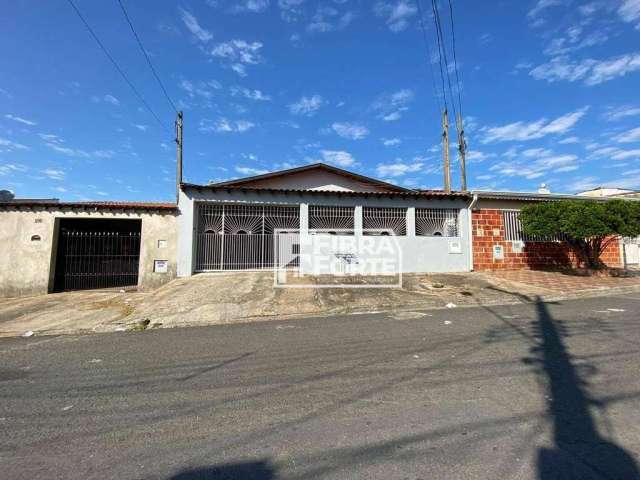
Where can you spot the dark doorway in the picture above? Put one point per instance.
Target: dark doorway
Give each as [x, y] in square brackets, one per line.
[97, 253]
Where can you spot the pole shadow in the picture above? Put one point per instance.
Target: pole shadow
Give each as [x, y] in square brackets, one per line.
[257, 470]
[580, 452]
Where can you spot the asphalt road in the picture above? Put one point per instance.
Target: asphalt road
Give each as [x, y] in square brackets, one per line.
[523, 392]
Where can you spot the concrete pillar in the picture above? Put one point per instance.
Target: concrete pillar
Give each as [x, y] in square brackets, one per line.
[186, 235]
[357, 221]
[305, 239]
[411, 222]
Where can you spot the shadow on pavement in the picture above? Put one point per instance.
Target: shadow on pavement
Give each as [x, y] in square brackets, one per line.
[580, 451]
[258, 470]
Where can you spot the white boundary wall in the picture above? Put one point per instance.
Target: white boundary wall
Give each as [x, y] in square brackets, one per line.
[420, 254]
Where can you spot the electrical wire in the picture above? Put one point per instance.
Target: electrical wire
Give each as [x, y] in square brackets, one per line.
[443, 54]
[146, 55]
[455, 58]
[117, 67]
[429, 53]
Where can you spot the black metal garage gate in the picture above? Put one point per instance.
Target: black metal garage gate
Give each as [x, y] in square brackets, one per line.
[96, 254]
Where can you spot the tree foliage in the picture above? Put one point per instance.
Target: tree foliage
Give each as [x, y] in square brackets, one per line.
[587, 226]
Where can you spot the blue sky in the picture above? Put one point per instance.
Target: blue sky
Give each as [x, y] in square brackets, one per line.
[550, 93]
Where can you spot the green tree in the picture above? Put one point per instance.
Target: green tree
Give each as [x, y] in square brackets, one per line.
[587, 226]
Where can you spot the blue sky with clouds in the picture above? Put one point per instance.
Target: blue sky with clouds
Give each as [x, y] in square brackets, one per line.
[549, 93]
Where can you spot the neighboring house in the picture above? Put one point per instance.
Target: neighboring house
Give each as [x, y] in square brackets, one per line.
[610, 192]
[498, 241]
[50, 246]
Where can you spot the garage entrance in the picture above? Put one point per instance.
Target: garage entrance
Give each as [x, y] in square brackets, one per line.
[96, 253]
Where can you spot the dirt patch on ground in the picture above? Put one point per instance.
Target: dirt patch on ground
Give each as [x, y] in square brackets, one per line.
[69, 312]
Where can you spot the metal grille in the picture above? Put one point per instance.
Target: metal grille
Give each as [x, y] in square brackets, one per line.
[513, 229]
[334, 220]
[437, 222]
[91, 260]
[379, 221]
[242, 237]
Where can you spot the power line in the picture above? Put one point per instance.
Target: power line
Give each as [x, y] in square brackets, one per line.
[455, 58]
[117, 67]
[443, 49]
[144, 52]
[428, 52]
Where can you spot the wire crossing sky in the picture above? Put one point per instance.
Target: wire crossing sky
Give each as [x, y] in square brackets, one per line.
[548, 90]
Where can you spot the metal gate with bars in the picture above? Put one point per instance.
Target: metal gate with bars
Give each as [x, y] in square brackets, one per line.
[242, 237]
[90, 260]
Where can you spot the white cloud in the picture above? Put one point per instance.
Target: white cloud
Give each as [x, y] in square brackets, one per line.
[53, 174]
[351, 131]
[573, 42]
[290, 10]
[521, 131]
[238, 54]
[338, 157]
[8, 168]
[256, 95]
[532, 169]
[192, 24]
[569, 140]
[8, 145]
[391, 142]
[629, 137]
[398, 168]
[224, 125]
[535, 14]
[250, 171]
[142, 128]
[390, 107]
[398, 13]
[629, 11]
[24, 121]
[592, 72]
[106, 99]
[615, 114]
[329, 19]
[205, 90]
[307, 106]
[252, 6]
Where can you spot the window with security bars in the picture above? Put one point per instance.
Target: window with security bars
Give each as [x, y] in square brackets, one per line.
[332, 220]
[247, 219]
[384, 221]
[513, 229]
[437, 222]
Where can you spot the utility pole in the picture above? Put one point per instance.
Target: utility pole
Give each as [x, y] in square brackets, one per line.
[178, 154]
[445, 151]
[462, 148]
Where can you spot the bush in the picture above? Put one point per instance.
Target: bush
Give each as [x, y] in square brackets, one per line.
[588, 227]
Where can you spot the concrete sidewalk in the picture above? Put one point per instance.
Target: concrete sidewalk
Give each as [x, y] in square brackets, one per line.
[250, 296]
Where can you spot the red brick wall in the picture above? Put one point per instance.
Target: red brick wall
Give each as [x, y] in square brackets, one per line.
[488, 230]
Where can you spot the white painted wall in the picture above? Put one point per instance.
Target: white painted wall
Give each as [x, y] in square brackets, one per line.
[419, 254]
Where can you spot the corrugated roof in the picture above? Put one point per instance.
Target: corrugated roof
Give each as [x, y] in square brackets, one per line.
[405, 193]
[106, 205]
[534, 196]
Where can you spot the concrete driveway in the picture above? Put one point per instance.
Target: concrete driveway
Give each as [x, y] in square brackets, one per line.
[535, 391]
